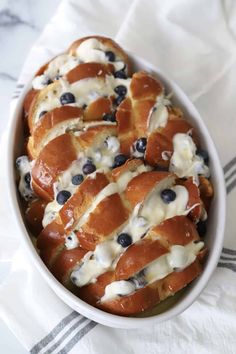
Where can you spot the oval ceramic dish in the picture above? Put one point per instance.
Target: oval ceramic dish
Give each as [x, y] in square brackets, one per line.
[213, 239]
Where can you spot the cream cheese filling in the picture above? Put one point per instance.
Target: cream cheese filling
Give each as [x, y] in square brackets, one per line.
[152, 212]
[102, 156]
[158, 115]
[184, 161]
[91, 50]
[179, 258]
[85, 91]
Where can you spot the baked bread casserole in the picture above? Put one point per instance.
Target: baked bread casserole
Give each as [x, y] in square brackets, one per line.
[114, 181]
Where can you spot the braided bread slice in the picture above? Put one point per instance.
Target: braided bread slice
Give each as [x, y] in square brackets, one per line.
[148, 269]
[106, 226]
[146, 113]
[54, 163]
[121, 181]
[83, 199]
[88, 49]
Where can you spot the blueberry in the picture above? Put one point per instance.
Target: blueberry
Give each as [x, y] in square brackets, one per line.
[141, 145]
[27, 178]
[120, 74]
[119, 160]
[18, 162]
[121, 90]
[57, 77]
[110, 117]
[118, 100]
[110, 56]
[139, 280]
[63, 196]
[204, 154]
[168, 196]
[42, 113]
[67, 98]
[48, 81]
[89, 168]
[77, 179]
[124, 240]
[202, 228]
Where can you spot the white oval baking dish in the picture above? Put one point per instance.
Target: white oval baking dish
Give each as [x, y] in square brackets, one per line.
[213, 239]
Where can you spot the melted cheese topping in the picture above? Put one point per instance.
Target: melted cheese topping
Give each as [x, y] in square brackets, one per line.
[110, 189]
[179, 258]
[59, 66]
[184, 161]
[85, 91]
[102, 157]
[91, 50]
[24, 166]
[155, 210]
[71, 241]
[158, 115]
[152, 212]
[50, 212]
[118, 288]
[75, 124]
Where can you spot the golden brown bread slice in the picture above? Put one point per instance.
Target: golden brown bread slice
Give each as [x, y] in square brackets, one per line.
[107, 45]
[58, 155]
[52, 124]
[79, 91]
[62, 64]
[34, 215]
[104, 219]
[50, 97]
[175, 231]
[146, 113]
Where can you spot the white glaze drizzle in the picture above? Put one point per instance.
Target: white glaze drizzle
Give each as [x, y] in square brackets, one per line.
[90, 50]
[179, 258]
[152, 212]
[184, 161]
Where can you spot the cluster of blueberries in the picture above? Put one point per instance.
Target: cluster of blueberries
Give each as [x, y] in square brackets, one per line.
[118, 74]
[87, 169]
[68, 97]
[167, 195]
[121, 92]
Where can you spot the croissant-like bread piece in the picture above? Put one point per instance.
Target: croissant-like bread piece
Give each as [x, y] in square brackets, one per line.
[116, 183]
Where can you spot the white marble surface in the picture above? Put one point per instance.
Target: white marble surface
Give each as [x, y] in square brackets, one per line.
[21, 22]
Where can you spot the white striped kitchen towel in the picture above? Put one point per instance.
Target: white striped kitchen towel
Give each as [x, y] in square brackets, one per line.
[193, 41]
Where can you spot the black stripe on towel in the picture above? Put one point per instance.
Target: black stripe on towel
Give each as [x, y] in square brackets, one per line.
[230, 176]
[15, 96]
[65, 335]
[228, 258]
[77, 337]
[230, 266]
[229, 251]
[231, 186]
[55, 331]
[229, 165]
